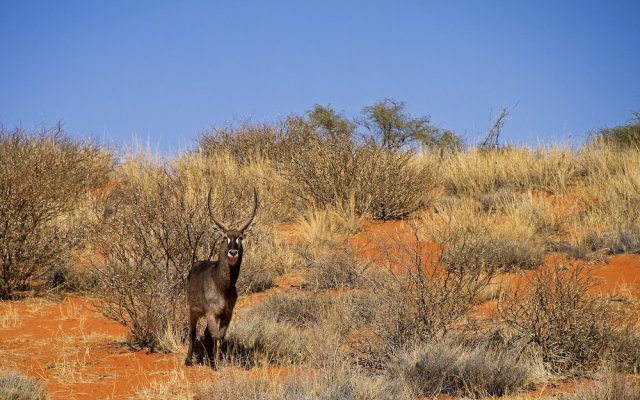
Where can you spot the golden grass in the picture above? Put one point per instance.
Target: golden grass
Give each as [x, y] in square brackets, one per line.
[171, 385]
[476, 172]
[9, 317]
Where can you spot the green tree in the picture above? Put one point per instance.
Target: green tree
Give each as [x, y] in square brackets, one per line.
[330, 123]
[627, 135]
[388, 120]
[447, 142]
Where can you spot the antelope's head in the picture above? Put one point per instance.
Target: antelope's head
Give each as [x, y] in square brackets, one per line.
[231, 247]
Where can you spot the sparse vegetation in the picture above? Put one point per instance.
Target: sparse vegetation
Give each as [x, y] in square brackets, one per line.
[346, 312]
[612, 386]
[14, 386]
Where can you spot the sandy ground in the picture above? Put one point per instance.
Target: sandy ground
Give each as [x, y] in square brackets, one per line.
[79, 354]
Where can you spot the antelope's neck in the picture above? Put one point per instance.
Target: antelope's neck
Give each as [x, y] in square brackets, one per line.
[228, 273]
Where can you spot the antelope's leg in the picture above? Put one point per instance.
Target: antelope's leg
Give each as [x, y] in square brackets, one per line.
[213, 326]
[222, 331]
[193, 323]
[208, 343]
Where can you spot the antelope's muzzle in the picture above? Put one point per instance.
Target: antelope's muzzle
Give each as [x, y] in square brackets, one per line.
[232, 253]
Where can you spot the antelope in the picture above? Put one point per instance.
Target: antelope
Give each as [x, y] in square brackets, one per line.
[211, 287]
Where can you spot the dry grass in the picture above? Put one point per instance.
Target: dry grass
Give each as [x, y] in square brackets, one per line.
[173, 385]
[233, 386]
[477, 172]
[612, 386]
[14, 386]
[472, 239]
[299, 311]
[612, 193]
[9, 317]
[338, 382]
[454, 369]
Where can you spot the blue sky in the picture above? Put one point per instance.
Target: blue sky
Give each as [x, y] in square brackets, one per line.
[160, 72]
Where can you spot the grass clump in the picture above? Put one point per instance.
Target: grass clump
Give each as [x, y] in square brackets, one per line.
[337, 382]
[322, 248]
[612, 386]
[299, 311]
[335, 267]
[259, 338]
[446, 367]
[237, 387]
[342, 382]
[14, 386]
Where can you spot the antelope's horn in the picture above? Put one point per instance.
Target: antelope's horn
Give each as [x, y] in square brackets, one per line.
[221, 226]
[253, 213]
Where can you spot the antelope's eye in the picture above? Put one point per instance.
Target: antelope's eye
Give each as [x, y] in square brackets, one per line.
[228, 240]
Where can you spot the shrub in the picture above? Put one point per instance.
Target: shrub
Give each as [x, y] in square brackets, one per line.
[365, 178]
[14, 386]
[152, 237]
[454, 369]
[159, 225]
[622, 136]
[246, 142]
[44, 179]
[71, 279]
[553, 310]
[422, 300]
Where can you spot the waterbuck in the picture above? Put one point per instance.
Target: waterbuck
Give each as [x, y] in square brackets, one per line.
[211, 287]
